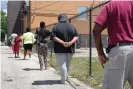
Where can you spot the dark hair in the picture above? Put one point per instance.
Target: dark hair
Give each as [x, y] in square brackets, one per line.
[42, 24]
[63, 17]
[19, 34]
[28, 30]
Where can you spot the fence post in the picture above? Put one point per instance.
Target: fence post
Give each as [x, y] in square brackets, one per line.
[51, 48]
[69, 20]
[86, 44]
[90, 36]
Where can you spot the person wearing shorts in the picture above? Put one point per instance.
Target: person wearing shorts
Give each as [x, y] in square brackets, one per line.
[28, 41]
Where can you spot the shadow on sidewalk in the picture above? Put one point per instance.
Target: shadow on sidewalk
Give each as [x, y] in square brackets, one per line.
[20, 59]
[29, 69]
[46, 82]
[11, 57]
[9, 53]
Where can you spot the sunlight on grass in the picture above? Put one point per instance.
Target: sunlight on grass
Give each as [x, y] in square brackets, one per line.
[80, 69]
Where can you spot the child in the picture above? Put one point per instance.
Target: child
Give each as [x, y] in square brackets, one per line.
[17, 45]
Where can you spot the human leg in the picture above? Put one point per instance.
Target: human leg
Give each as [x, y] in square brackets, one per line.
[130, 79]
[130, 63]
[68, 62]
[30, 50]
[61, 62]
[18, 54]
[25, 52]
[40, 57]
[116, 70]
[15, 54]
[45, 49]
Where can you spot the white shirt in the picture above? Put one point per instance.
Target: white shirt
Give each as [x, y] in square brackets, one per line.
[12, 37]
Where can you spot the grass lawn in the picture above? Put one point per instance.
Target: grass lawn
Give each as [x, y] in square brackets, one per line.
[80, 69]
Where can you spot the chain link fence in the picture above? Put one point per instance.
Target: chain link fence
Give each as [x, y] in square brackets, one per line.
[85, 64]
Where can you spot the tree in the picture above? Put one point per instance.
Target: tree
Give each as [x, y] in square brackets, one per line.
[3, 24]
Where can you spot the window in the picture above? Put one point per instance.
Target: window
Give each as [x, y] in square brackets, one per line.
[81, 10]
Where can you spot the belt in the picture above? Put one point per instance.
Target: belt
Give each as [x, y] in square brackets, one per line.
[118, 44]
[122, 44]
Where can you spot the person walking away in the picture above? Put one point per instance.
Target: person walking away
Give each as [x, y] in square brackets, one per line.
[41, 35]
[17, 45]
[64, 35]
[28, 41]
[117, 17]
[11, 39]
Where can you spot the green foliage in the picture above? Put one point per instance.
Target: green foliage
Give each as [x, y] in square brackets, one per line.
[3, 22]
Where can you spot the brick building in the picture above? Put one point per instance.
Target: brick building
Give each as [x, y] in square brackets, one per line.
[48, 11]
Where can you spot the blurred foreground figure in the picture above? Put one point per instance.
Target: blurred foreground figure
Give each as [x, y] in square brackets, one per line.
[117, 17]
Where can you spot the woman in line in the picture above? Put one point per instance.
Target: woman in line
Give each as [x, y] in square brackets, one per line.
[28, 41]
[11, 39]
[17, 45]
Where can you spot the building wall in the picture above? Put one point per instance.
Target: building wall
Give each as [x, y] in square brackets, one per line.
[15, 23]
[84, 40]
[48, 11]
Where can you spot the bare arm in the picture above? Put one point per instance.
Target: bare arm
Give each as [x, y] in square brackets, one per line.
[74, 39]
[66, 44]
[58, 40]
[97, 37]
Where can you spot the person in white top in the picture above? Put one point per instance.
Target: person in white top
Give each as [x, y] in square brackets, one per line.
[11, 39]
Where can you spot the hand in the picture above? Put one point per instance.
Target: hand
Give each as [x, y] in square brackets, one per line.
[103, 59]
[69, 44]
[65, 44]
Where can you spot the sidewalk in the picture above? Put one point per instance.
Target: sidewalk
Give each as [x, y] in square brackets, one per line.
[47, 79]
[73, 82]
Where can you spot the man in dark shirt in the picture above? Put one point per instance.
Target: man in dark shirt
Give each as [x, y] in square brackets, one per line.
[41, 36]
[64, 35]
